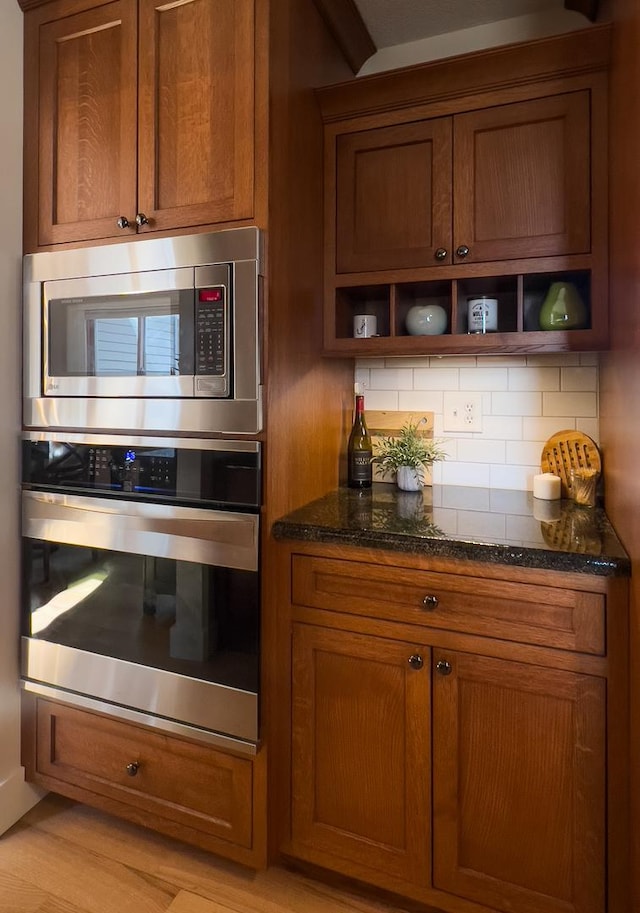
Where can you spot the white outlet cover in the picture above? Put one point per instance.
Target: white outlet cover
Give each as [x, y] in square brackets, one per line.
[462, 412]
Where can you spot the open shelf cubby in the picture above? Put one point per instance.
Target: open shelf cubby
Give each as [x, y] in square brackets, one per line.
[519, 296]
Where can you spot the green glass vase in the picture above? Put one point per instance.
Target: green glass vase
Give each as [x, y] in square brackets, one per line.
[563, 308]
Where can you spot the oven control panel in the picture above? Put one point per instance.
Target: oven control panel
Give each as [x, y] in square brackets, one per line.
[206, 477]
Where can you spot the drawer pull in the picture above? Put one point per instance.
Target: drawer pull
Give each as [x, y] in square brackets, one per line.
[443, 667]
[133, 768]
[430, 602]
[416, 661]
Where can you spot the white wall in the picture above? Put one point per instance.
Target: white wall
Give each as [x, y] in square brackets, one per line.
[15, 796]
[525, 400]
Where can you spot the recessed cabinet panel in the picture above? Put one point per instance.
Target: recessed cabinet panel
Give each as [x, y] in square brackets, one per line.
[521, 179]
[87, 123]
[360, 737]
[393, 196]
[519, 785]
[196, 111]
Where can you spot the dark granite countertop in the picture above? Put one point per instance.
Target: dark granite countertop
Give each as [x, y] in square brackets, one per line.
[475, 524]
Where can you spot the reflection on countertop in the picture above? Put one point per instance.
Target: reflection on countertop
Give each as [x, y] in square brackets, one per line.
[476, 524]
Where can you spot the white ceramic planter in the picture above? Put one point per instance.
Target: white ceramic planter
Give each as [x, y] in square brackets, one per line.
[408, 479]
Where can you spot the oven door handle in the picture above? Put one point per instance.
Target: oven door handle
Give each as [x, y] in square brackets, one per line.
[215, 537]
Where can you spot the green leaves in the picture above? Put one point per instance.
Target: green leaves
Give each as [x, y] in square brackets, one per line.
[408, 448]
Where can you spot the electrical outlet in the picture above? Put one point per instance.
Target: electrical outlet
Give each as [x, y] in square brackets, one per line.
[462, 412]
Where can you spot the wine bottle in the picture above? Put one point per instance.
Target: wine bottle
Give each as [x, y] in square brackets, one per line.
[359, 450]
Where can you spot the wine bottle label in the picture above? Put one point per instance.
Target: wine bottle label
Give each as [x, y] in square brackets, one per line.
[361, 465]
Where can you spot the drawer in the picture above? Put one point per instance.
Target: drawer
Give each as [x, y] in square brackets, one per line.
[523, 612]
[192, 784]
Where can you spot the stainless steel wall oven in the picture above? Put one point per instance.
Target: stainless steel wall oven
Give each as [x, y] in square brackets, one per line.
[141, 579]
[154, 336]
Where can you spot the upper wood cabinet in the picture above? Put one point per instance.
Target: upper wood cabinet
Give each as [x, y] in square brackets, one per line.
[521, 180]
[393, 199]
[139, 117]
[513, 182]
[482, 175]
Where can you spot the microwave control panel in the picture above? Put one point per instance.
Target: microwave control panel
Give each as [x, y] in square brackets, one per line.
[212, 340]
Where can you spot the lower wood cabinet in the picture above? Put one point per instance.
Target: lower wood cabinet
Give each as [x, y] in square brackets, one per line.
[467, 771]
[184, 788]
[518, 784]
[360, 737]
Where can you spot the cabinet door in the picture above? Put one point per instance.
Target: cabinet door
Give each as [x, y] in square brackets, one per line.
[519, 785]
[394, 197]
[87, 124]
[361, 755]
[521, 179]
[196, 112]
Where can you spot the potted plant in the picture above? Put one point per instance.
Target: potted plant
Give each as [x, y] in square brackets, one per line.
[407, 455]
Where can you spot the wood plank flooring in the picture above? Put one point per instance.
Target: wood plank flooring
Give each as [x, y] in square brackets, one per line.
[63, 857]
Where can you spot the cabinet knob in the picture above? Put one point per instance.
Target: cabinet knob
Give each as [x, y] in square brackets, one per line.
[443, 667]
[141, 219]
[462, 251]
[122, 222]
[132, 768]
[430, 602]
[416, 661]
[441, 253]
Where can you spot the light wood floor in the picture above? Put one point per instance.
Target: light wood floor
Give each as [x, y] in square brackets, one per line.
[68, 858]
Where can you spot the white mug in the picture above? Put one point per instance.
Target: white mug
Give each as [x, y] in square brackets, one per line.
[483, 314]
[364, 326]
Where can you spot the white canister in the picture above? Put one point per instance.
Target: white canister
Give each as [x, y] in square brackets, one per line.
[364, 326]
[483, 315]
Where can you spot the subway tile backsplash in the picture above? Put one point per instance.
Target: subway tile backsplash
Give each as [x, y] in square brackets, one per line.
[525, 399]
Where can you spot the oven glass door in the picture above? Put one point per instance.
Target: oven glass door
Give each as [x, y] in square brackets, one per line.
[128, 602]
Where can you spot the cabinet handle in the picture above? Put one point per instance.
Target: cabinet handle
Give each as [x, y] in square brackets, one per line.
[430, 602]
[122, 222]
[441, 253]
[462, 251]
[132, 768]
[141, 219]
[416, 661]
[443, 667]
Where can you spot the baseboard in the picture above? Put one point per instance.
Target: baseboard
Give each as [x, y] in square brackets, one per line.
[16, 798]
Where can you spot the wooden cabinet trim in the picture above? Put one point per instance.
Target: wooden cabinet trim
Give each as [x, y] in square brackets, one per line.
[560, 57]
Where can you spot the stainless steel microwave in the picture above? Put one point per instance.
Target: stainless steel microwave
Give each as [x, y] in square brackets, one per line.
[157, 336]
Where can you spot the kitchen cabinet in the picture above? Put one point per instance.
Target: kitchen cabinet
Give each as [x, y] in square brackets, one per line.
[147, 776]
[185, 101]
[359, 744]
[451, 728]
[437, 192]
[518, 784]
[139, 118]
[501, 183]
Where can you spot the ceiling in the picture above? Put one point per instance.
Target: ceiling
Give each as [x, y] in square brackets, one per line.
[394, 22]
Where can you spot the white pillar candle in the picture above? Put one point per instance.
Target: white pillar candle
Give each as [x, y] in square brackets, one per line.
[546, 486]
